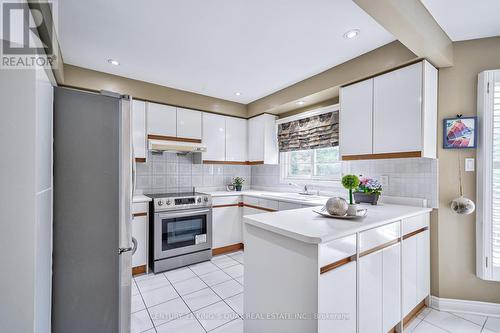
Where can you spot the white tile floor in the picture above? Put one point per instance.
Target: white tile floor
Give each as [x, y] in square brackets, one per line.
[208, 297]
[205, 297]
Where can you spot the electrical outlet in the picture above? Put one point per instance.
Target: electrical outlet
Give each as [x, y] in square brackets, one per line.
[469, 164]
[384, 181]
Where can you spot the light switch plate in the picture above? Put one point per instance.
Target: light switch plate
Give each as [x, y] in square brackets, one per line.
[384, 180]
[469, 164]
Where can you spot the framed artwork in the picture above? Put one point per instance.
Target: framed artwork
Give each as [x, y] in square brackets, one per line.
[459, 133]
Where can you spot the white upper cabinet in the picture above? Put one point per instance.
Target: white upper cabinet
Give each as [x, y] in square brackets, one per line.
[356, 112]
[162, 120]
[394, 113]
[214, 137]
[263, 139]
[236, 139]
[397, 110]
[188, 124]
[139, 129]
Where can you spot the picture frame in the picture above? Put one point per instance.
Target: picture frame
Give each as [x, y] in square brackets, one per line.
[460, 132]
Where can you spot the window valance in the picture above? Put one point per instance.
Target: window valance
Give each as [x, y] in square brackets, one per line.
[321, 131]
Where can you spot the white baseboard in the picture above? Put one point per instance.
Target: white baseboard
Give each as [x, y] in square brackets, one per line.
[463, 306]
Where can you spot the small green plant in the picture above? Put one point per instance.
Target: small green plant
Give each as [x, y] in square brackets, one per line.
[350, 182]
[238, 181]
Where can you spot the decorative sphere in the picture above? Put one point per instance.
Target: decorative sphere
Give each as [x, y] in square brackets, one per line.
[336, 206]
[463, 206]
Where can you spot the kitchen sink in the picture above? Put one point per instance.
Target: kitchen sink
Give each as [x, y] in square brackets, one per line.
[297, 196]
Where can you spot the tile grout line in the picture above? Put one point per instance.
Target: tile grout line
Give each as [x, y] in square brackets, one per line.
[469, 320]
[146, 308]
[223, 300]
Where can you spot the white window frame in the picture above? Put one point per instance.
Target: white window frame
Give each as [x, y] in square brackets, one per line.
[287, 175]
[484, 210]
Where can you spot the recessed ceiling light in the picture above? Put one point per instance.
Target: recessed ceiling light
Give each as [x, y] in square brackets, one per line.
[301, 103]
[113, 62]
[237, 93]
[351, 33]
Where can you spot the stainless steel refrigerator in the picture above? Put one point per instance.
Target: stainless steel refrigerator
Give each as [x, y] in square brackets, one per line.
[92, 251]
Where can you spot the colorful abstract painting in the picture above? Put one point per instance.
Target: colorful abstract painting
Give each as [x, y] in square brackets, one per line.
[459, 132]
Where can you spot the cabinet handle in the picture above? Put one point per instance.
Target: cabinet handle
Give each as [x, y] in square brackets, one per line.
[336, 264]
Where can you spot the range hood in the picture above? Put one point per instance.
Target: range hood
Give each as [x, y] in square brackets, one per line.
[176, 146]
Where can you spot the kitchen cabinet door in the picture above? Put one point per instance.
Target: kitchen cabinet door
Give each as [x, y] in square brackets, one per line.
[409, 274]
[337, 294]
[236, 139]
[188, 124]
[397, 110]
[356, 112]
[263, 139]
[255, 139]
[227, 226]
[282, 205]
[162, 120]
[370, 293]
[214, 137]
[139, 229]
[423, 265]
[391, 287]
[139, 129]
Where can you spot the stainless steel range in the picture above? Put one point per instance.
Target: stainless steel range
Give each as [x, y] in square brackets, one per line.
[180, 230]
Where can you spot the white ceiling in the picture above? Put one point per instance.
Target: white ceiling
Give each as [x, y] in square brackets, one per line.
[466, 19]
[216, 47]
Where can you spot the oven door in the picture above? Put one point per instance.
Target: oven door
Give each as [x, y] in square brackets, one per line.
[181, 232]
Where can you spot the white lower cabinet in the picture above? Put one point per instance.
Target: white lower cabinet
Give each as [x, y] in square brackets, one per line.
[391, 286]
[423, 265]
[337, 296]
[370, 293]
[226, 228]
[139, 232]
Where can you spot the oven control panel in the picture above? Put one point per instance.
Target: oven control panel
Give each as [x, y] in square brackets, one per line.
[169, 203]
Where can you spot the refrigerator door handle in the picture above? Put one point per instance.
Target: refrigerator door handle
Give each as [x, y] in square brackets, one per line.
[125, 249]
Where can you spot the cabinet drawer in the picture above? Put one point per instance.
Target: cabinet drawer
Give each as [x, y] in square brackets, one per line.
[415, 223]
[373, 238]
[219, 201]
[140, 207]
[288, 205]
[269, 204]
[336, 250]
[251, 200]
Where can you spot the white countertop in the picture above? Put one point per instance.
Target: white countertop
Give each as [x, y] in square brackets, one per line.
[140, 198]
[307, 226]
[269, 195]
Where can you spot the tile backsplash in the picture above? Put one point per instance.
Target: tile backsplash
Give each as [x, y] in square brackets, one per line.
[173, 172]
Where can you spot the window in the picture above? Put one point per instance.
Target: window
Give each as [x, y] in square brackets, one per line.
[314, 164]
[488, 177]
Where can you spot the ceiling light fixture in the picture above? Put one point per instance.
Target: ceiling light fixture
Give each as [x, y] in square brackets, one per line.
[113, 62]
[351, 33]
[301, 103]
[237, 93]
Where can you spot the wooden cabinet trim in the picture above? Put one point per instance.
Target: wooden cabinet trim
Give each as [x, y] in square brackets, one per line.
[413, 313]
[416, 232]
[227, 205]
[172, 138]
[138, 270]
[336, 264]
[233, 162]
[380, 247]
[261, 208]
[407, 154]
[227, 249]
[140, 214]
[140, 159]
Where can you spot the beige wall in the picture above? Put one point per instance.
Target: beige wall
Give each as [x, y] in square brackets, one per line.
[456, 234]
[93, 80]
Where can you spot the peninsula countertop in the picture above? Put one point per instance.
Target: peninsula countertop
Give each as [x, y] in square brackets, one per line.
[309, 227]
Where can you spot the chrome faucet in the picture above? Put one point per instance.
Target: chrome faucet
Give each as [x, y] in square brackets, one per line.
[304, 192]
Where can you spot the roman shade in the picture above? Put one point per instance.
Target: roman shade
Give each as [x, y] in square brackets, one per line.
[320, 131]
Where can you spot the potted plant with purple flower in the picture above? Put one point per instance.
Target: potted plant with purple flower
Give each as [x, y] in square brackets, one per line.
[368, 191]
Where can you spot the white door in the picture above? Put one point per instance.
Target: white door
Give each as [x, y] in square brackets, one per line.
[139, 128]
[255, 139]
[397, 110]
[162, 120]
[391, 287]
[188, 124]
[337, 295]
[227, 226]
[370, 293]
[214, 137]
[236, 139]
[409, 274]
[356, 112]
[423, 265]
